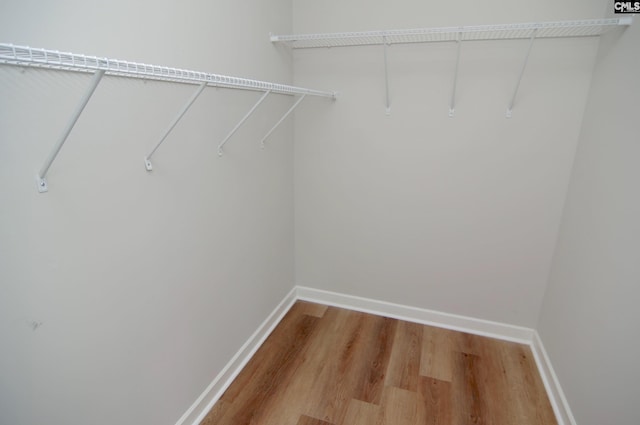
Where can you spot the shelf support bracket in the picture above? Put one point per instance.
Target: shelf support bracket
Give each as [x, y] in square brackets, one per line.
[386, 76]
[294, 106]
[41, 177]
[246, 117]
[455, 77]
[524, 66]
[185, 108]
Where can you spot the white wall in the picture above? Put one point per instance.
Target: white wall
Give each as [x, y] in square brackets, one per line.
[453, 214]
[589, 318]
[145, 284]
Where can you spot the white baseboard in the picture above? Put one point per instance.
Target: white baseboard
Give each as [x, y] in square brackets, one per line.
[419, 315]
[214, 391]
[557, 398]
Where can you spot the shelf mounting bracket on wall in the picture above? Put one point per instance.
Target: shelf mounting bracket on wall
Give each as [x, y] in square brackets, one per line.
[294, 106]
[147, 159]
[524, 66]
[246, 117]
[41, 177]
[386, 76]
[455, 77]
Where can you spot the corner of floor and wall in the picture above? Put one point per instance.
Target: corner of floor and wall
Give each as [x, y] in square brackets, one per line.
[133, 297]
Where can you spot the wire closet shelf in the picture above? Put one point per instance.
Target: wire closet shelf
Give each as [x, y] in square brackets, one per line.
[52, 59]
[557, 29]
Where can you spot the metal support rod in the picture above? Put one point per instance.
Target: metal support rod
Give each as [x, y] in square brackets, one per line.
[42, 183]
[246, 117]
[524, 66]
[386, 77]
[455, 78]
[185, 108]
[282, 119]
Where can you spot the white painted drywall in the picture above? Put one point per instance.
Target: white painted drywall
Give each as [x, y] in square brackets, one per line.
[590, 315]
[452, 214]
[144, 285]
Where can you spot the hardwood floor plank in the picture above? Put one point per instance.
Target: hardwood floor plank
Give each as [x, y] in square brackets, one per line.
[214, 415]
[312, 309]
[404, 365]
[318, 374]
[438, 351]
[374, 360]
[466, 388]
[286, 339]
[307, 420]
[437, 359]
[321, 388]
[339, 371]
[436, 402]
[269, 370]
[400, 407]
[362, 413]
[531, 405]
[493, 376]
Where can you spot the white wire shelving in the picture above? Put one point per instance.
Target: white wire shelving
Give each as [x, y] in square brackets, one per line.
[557, 29]
[52, 59]
[460, 34]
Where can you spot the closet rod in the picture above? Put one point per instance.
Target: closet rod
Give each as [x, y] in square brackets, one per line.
[556, 29]
[53, 59]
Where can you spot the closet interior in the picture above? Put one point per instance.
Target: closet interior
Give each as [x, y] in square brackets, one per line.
[180, 215]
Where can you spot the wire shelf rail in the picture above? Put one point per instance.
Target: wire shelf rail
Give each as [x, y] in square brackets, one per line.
[557, 29]
[53, 59]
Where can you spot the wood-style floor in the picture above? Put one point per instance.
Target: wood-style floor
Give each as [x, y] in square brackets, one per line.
[329, 366]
